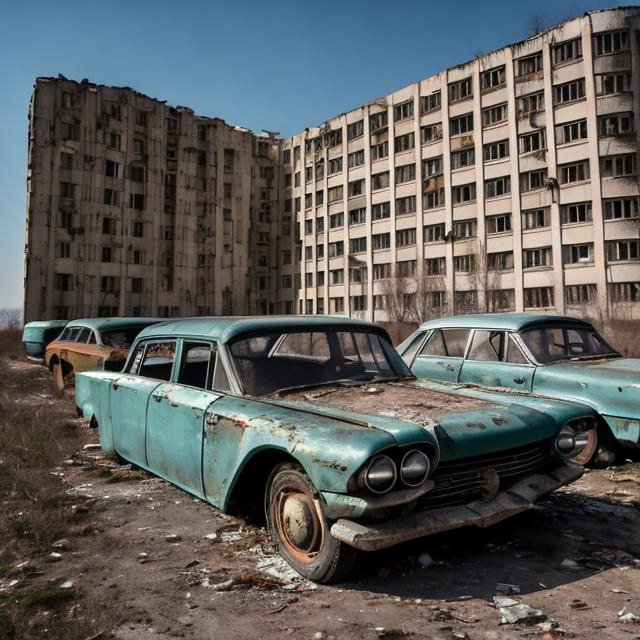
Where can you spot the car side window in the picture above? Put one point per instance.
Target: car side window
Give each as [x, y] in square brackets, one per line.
[92, 338]
[64, 336]
[197, 364]
[514, 353]
[134, 366]
[447, 342]
[220, 378]
[158, 359]
[83, 335]
[412, 349]
[487, 346]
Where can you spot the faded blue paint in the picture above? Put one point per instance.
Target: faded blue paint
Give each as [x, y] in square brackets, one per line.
[203, 440]
[36, 335]
[609, 386]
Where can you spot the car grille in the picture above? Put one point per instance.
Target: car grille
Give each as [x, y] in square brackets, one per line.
[460, 482]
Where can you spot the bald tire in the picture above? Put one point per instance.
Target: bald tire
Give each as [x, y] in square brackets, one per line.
[334, 558]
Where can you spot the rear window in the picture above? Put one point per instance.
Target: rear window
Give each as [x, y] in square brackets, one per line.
[120, 338]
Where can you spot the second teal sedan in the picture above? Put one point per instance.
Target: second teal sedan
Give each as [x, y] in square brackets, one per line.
[542, 355]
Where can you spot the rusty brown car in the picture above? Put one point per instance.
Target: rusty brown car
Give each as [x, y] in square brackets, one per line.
[92, 343]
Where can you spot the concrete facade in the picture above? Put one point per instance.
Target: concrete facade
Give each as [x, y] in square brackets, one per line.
[506, 183]
[137, 208]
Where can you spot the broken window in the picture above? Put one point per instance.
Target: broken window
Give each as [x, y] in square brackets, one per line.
[574, 172]
[403, 111]
[535, 218]
[493, 78]
[431, 133]
[460, 90]
[616, 124]
[569, 91]
[566, 51]
[404, 142]
[380, 180]
[494, 115]
[463, 158]
[534, 141]
[463, 193]
[497, 187]
[405, 173]
[112, 169]
[141, 118]
[136, 201]
[461, 124]
[496, 150]
[610, 42]
[618, 166]
[532, 180]
[430, 102]
[528, 65]
[380, 241]
[405, 205]
[355, 130]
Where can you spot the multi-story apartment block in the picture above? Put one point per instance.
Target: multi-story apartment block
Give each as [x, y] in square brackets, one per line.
[506, 183]
[137, 208]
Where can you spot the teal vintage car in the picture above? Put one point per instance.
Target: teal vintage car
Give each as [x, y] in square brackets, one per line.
[321, 419]
[544, 355]
[37, 335]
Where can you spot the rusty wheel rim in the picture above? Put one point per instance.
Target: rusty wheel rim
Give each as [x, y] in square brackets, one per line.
[299, 525]
[587, 453]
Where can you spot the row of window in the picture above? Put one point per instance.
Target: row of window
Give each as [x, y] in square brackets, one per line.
[571, 213]
[498, 299]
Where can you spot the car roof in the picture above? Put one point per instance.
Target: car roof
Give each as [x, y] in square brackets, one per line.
[45, 324]
[106, 324]
[507, 321]
[224, 329]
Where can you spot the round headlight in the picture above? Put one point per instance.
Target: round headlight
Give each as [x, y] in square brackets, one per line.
[414, 468]
[381, 474]
[566, 441]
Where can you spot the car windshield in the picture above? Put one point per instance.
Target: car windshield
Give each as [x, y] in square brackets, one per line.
[565, 342]
[270, 362]
[120, 338]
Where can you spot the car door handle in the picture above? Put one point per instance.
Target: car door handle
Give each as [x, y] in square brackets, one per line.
[157, 396]
[519, 380]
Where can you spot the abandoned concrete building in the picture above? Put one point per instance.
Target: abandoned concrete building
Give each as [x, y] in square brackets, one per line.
[506, 183]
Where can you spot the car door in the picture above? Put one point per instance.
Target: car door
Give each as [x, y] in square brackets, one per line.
[494, 359]
[84, 354]
[130, 394]
[441, 356]
[176, 414]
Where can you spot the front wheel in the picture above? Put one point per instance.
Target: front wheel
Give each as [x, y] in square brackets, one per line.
[300, 528]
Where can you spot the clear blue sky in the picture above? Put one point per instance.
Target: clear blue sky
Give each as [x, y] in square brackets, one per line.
[281, 65]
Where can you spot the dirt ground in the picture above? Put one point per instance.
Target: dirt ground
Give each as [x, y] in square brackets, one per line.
[141, 559]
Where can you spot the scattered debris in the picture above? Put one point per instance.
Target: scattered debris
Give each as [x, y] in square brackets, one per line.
[625, 617]
[572, 565]
[277, 567]
[92, 446]
[211, 536]
[67, 584]
[173, 537]
[143, 557]
[512, 611]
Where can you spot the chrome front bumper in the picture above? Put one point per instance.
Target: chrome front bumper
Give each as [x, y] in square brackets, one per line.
[517, 498]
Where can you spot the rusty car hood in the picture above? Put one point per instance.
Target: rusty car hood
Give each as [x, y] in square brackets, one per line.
[463, 426]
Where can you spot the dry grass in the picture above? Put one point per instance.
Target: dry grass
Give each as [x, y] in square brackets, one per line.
[34, 508]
